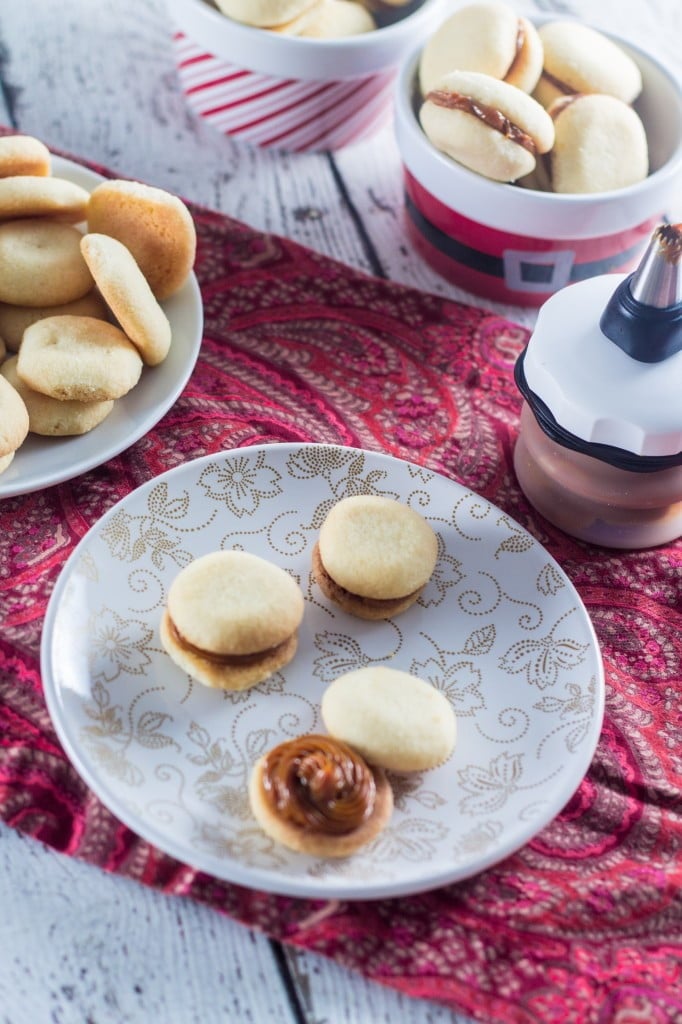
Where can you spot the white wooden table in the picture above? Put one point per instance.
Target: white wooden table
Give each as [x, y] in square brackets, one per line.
[99, 80]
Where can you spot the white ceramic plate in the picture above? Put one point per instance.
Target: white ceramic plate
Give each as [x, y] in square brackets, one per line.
[499, 629]
[43, 461]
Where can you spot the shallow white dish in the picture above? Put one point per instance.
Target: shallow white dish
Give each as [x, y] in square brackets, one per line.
[44, 461]
[499, 629]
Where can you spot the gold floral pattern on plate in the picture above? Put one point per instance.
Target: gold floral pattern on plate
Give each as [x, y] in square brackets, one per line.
[499, 630]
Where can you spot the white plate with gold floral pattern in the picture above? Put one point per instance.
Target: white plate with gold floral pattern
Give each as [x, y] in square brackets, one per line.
[43, 461]
[499, 630]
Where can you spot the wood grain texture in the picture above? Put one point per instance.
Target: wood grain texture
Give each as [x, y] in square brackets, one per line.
[79, 945]
[99, 80]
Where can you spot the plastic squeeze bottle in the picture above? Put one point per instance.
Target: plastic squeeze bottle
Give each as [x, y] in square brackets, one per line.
[599, 451]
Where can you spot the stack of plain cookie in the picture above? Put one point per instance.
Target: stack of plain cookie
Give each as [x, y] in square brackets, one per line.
[82, 277]
[550, 108]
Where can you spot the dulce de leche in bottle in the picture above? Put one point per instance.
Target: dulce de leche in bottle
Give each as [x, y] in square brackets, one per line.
[599, 451]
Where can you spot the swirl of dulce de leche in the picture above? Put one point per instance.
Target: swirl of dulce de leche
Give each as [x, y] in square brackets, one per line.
[319, 783]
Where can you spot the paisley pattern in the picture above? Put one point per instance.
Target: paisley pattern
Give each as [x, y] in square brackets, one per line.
[583, 924]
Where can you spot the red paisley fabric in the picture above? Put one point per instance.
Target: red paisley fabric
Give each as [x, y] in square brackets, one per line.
[584, 924]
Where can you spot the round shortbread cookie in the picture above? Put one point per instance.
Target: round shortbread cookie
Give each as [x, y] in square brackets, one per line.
[487, 37]
[316, 764]
[487, 125]
[13, 419]
[78, 358]
[600, 145]
[336, 19]
[154, 224]
[580, 59]
[374, 555]
[37, 196]
[50, 417]
[296, 26]
[232, 619]
[22, 154]
[15, 319]
[41, 263]
[264, 13]
[394, 719]
[127, 294]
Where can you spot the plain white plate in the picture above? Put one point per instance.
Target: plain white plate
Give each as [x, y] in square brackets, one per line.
[499, 629]
[43, 461]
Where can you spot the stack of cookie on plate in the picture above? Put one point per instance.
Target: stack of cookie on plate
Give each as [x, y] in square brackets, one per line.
[547, 107]
[309, 19]
[82, 278]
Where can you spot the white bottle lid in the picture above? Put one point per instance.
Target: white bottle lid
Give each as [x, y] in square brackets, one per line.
[600, 399]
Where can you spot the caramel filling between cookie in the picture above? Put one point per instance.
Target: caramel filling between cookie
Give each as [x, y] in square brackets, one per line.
[491, 116]
[377, 603]
[562, 87]
[227, 660]
[319, 784]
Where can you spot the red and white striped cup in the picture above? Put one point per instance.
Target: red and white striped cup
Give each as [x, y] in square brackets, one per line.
[270, 89]
[516, 245]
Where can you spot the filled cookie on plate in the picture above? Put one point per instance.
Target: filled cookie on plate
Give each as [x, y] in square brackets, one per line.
[374, 556]
[232, 619]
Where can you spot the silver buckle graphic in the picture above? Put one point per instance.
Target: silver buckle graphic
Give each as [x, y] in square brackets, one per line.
[537, 271]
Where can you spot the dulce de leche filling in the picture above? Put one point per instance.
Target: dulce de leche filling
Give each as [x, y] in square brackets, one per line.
[378, 603]
[222, 659]
[491, 116]
[318, 783]
[560, 86]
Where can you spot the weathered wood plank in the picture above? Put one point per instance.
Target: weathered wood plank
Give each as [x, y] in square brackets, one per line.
[79, 945]
[99, 80]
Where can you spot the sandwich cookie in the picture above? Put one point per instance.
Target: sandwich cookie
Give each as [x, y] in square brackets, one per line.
[264, 13]
[13, 422]
[487, 37]
[22, 154]
[27, 195]
[394, 719]
[600, 144]
[374, 556]
[154, 224]
[487, 125]
[232, 619]
[41, 263]
[128, 295]
[78, 358]
[579, 59]
[50, 417]
[316, 795]
[15, 319]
